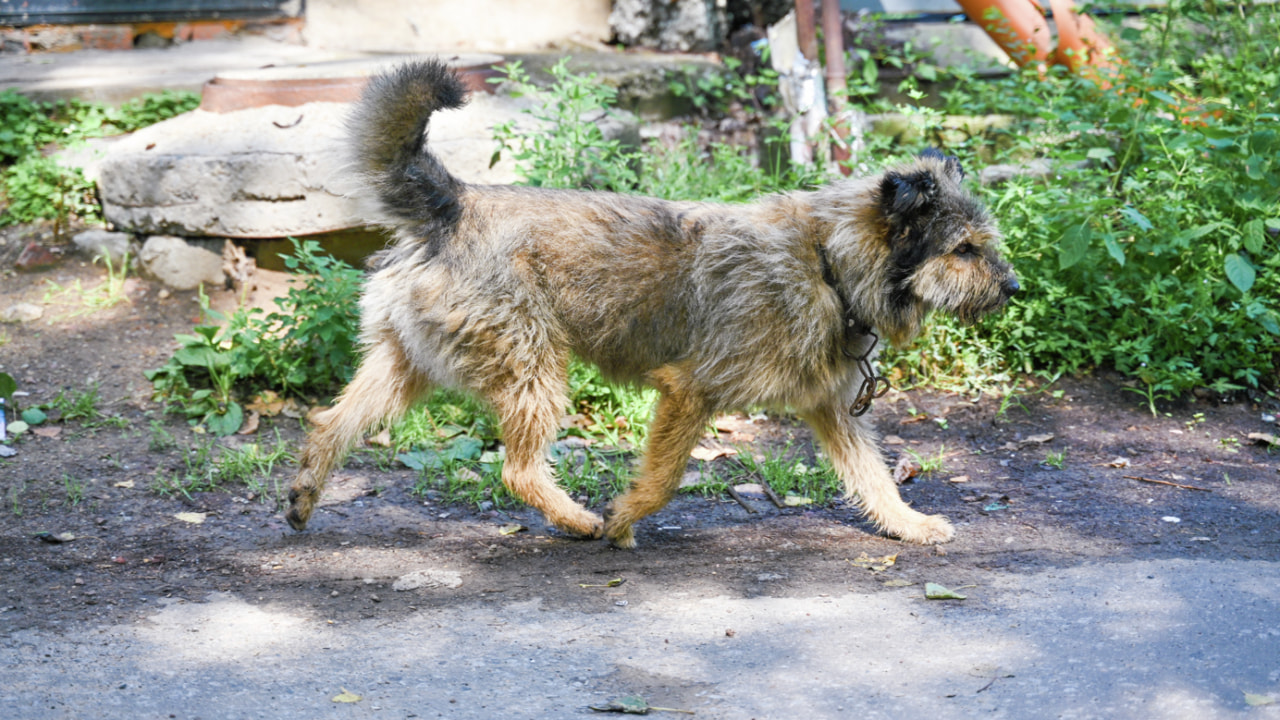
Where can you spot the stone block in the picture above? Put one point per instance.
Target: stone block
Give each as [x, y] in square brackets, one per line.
[178, 265]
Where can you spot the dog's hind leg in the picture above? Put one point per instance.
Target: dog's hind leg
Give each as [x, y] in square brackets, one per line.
[383, 389]
[677, 423]
[529, 406]
[851, 446]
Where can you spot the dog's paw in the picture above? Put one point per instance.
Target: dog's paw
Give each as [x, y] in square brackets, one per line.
[925, 530]
[620, 534]
[622, 538]
[300, 507]
[584, 526]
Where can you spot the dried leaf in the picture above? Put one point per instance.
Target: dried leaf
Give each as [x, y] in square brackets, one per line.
[268, 404]
[1039, 439]
[959, 479]
[382, 439]
[347, 697]
[127, 484]
[796, 501]
[897, 582]
[709, 454]
[875, 564]
[1264, 438]
[905, 470]
[296, 410]
[1253, 700]
[51, 431]
[511, 529]
[194, 518]
[893, 440]
[250, 425]
[934, 591]
[1120, 462]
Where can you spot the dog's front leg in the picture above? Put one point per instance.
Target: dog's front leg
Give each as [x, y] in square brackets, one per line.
[851, 445]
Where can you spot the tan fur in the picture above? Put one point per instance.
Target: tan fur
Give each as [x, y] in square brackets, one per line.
[719, 307]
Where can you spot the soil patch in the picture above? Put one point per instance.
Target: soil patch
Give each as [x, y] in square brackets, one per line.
[1053, 478]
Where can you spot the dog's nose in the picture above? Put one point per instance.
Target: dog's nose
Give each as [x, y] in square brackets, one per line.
[1011, 286]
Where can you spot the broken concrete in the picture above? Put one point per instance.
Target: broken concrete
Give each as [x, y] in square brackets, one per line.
[681, 25]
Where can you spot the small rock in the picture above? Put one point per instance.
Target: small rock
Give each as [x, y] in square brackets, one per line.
[22, 313]
[179, 265]
[113, 246]
[36, 257]
[428, 579]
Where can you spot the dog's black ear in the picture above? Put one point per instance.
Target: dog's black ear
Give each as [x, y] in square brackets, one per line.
[903, 195]
[951, 162]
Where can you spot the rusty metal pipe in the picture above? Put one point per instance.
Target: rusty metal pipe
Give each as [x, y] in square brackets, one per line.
[833, 42]
[806, 30]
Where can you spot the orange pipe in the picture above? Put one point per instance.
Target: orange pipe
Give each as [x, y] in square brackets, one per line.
[1017, 26]
[1081, 47]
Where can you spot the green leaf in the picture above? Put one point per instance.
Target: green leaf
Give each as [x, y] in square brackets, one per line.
[223, 424]
[17, 427]
[1240, 272]
[34, 416]
[1074, 245]
[1268, 323]
[464, 447]
[1115, 249]
[1186, 236]
[1136, 218]
[420, 460]
[8, 386]
[1255, 237]
[200, 356]
[1100, 153]
[934, 591]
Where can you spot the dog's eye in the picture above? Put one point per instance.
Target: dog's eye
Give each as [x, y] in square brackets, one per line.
[964, 249]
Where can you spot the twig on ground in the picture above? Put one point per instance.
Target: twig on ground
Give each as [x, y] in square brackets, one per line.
[738, 498]
[1139, 478]
[773, 496]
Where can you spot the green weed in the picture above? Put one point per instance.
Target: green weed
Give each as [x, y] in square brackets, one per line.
[15, 492]
[785, 471]
[1055, 460]
[307, 346]
[104, 296]
[930, 465]
[74, 488]
[78, 404]
[34, 185]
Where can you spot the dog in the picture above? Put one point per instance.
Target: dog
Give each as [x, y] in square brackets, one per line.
[775, 304]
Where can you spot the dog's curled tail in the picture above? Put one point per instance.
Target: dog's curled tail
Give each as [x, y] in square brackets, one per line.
[388, 135]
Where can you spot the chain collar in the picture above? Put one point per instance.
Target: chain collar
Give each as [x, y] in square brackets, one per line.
[873, 385]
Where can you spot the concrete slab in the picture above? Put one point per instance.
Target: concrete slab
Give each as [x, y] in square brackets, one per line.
[270, 172]
[115, 76]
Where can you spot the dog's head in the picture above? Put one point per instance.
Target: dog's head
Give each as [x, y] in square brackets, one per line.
[944, 249]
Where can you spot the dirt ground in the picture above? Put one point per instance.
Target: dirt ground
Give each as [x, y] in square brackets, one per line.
[1013, 508]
